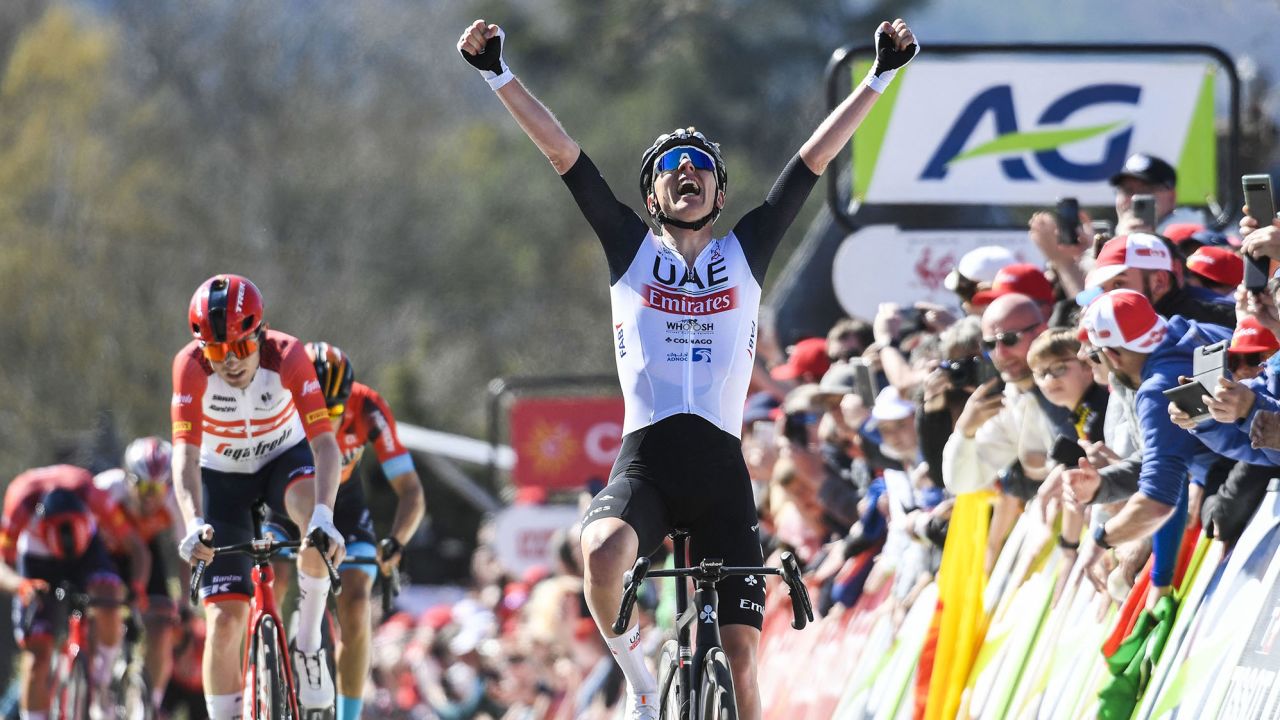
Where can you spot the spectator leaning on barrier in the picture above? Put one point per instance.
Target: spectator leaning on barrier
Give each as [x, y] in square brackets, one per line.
[1144, 263]
[976, 271]
[1226, 512]
[1145, 174]
[1146, 353]
[997, 430]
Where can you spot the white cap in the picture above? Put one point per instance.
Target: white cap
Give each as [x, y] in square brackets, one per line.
[980, 265]
[1143, 251]
[1123, 319]
[892, 406]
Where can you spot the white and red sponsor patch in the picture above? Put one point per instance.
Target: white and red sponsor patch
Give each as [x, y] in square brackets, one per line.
[679, 303]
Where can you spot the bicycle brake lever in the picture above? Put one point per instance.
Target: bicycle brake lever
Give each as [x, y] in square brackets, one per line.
[630, 584]
[320, 541]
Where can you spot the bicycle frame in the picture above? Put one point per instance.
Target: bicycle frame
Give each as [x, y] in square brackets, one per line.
[689, 662]
[76, 642]
[263, 606]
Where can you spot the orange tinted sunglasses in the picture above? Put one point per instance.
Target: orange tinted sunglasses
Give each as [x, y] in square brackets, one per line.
[217, 352]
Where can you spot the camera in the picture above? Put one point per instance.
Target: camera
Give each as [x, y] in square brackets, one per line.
[963, 373]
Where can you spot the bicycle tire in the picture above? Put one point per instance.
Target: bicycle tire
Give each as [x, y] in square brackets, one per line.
[670, 707]
[271, 684]
[134, 698]
[716, 699]
[70, 699]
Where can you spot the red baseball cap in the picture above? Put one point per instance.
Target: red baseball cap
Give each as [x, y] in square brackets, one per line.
[1143, 251]
[1217, 264]
[1181, 232]
[1251, 337]
[1123, 319]
[1023, 278]
[809, 356]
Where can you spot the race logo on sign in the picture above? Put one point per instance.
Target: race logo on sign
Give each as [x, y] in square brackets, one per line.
[933, 271]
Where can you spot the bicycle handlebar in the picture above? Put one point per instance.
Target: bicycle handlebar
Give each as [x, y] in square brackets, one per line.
[712, 570]
[630, 584]
[253, 548]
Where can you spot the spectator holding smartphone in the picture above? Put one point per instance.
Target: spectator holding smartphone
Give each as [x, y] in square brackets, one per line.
[1145, 174]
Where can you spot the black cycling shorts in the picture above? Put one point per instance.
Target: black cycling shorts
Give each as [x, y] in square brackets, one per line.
[158, 582]
[94, 567]
[228, 506]
[684, 472]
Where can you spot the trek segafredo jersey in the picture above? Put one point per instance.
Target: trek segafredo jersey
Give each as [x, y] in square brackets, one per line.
[685, 335]
[246, 429]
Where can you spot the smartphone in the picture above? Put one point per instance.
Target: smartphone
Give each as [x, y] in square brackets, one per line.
[1068, 221]
[1188, 399]
[1258, 196]
[1101, 227]
[1209, 365]
[1067, 451]
[1144, 208]
[764, 433]
[864, 382]
[987, 371]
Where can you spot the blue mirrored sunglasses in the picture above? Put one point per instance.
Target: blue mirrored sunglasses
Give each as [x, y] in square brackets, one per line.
[675, 157]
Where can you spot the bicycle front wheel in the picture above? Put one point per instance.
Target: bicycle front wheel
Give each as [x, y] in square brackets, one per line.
[271, 687]
[716, 698]
[135, 695]
[71, 690]
[670, 695]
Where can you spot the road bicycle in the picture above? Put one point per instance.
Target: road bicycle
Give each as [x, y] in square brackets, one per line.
[695, 683]
[270, 692]
[73, 691]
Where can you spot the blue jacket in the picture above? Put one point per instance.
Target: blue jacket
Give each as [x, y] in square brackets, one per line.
[1169, 453]
[1232, 439]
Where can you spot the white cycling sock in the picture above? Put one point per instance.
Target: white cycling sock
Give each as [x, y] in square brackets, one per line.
[223, 707]
[626, 651]
[313, 592]
[104, 661]
[33, 715]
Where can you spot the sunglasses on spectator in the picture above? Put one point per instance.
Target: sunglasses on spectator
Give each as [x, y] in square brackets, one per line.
[1053, 372]
[1094, 356]
[675, 157]
[217, 352]
[1008, 339]
[1236, 361]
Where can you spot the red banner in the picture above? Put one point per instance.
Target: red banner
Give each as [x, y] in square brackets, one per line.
[561, 443]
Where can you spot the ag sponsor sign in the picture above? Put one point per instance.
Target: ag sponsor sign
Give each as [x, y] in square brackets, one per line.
[561, 443]
[1031, 128]
[909, 266]
[522, 534]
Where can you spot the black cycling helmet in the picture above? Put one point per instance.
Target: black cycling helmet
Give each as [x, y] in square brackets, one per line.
[666, 141]
[333, 370]
[63, 523]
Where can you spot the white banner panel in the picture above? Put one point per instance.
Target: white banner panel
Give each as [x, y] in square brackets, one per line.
[882, 263]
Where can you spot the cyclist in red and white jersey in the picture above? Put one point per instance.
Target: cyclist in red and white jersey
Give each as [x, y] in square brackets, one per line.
[250, 423]
[685, 312]
[52, 532]
[361, 417]
[142, 490]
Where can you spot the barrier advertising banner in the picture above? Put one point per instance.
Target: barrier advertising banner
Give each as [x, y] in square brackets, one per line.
[1027, 129]
[562, 443]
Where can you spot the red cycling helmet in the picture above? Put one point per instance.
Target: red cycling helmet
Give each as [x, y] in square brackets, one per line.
[225, 309]
[63, 524]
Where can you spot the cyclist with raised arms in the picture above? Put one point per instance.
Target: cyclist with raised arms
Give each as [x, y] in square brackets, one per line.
[142, 490]
[52, 532]
[685, 311]
[248, 419]
[360, 416]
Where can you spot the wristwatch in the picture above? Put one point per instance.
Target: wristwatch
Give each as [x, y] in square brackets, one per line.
[1066, 544]
[1099, 536]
